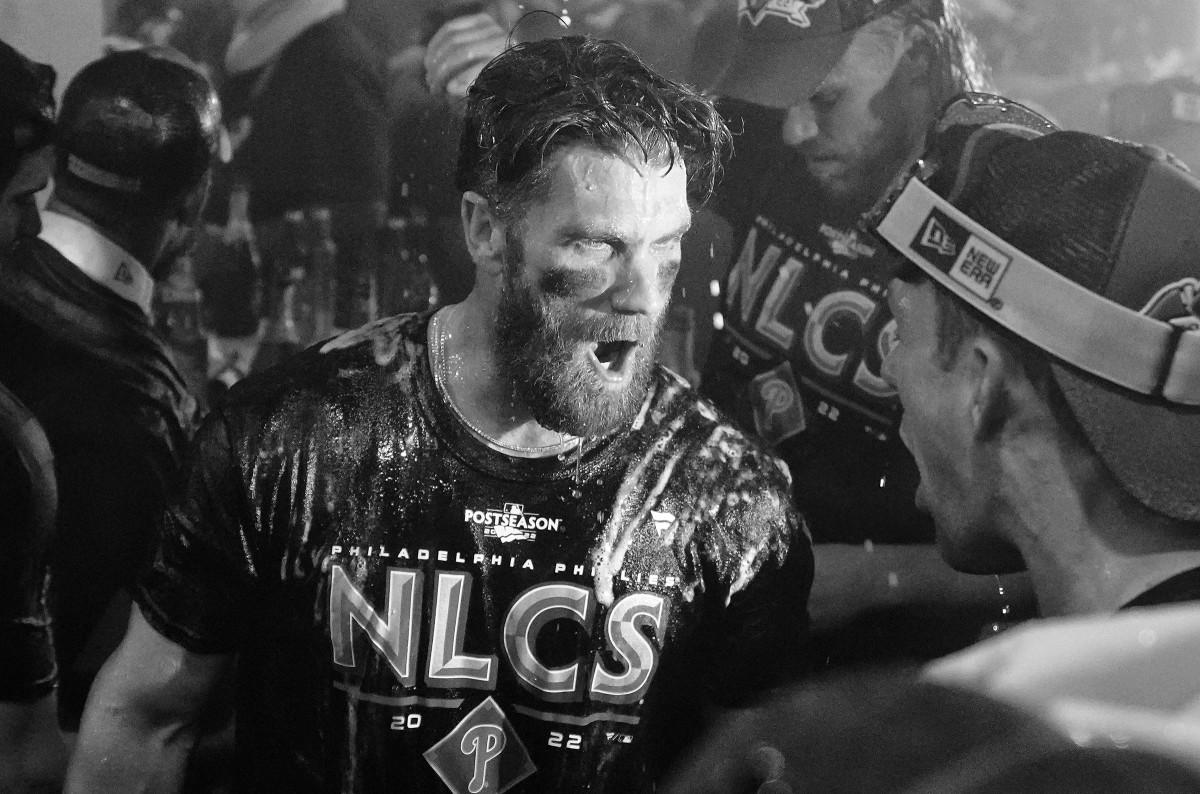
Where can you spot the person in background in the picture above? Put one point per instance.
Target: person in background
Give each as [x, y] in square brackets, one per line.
[494, 547]
[137, 132]
[32, 753]
[828, 101]
[1048, 345]
[306, 108]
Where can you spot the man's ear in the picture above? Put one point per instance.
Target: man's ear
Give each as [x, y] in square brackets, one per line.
[483, 231]
[995, 386]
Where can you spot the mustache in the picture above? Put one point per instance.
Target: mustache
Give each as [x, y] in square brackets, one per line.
[601, 327]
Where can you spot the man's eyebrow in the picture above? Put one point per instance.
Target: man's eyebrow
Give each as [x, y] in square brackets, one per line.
[679, 231]
[589, 231]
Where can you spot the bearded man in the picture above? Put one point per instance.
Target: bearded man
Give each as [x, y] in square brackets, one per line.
[495, 548]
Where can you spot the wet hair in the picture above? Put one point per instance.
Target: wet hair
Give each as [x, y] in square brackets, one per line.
[538, 97]
[26, 108]
[936, 28]
[138, 130]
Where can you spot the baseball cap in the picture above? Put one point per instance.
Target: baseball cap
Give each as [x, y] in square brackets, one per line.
[785, 48]
[143, 123]
[1088, 248]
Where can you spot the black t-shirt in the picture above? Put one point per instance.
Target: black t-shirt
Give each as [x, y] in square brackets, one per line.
[414, 610]
[91, 368]
[805, 328]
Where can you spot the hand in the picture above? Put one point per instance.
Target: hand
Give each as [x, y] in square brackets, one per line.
[459, 50]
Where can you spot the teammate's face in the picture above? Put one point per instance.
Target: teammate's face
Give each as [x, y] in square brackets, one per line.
[863, 123]
[937, 429]
[18, 201]
[588, 275]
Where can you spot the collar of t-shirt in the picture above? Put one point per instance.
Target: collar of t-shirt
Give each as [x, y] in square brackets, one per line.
[100, 259]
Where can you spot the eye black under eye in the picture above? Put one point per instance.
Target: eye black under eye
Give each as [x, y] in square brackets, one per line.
[565, 283]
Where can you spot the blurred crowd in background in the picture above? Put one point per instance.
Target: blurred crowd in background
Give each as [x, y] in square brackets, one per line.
[232, 306]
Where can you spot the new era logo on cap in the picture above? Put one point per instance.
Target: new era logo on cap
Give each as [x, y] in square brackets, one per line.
[967, 259]
[937, 238]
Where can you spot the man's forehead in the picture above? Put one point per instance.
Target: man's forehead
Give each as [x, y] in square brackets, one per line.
[593, 177]
[874, 52]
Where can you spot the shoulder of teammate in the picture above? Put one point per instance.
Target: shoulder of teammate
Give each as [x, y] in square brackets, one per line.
[357, 362]
[718, 458]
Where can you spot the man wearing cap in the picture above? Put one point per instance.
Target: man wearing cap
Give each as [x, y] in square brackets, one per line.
[833, 98]
[32, 753]
[136, 134]
[304, 93]
[1048, 360]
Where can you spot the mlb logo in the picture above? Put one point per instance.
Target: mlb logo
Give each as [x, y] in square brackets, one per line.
[514, 509]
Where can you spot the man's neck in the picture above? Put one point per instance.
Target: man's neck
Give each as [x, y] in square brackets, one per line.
[1089, 547]
[102, 259]
[479, 390]
[143, 241]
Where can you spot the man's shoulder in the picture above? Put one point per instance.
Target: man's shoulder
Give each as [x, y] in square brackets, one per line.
[717, 441]
[355, 370]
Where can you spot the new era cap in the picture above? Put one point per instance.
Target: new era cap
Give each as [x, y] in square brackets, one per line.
[785, 48]
[1088, 248]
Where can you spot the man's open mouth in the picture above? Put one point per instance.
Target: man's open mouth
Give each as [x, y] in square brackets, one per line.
[612, 357]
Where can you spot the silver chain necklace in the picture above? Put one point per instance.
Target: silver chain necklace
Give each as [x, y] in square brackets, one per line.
[441, 374]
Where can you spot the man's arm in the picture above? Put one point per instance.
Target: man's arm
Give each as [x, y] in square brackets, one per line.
[141, 718]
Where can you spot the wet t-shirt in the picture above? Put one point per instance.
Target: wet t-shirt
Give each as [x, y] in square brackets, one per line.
[416, 611]
[805, 329]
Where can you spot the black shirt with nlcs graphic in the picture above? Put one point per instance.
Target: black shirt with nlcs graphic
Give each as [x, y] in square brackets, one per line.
[415, 610]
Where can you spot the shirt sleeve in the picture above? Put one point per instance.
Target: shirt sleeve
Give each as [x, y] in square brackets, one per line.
[762, 570]
[200, 578]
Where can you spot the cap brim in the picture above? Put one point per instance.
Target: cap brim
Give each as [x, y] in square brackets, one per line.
[1151, 447]
[781, 74]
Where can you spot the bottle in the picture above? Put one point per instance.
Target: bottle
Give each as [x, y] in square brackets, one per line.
[405, 284]
[322, 274]
[281, 336]
[177, 317]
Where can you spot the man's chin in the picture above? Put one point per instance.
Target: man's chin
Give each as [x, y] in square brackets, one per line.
[599, 404]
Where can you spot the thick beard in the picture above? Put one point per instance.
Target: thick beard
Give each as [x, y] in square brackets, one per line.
[536, 344]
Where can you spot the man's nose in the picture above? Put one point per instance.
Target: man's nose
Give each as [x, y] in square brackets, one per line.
[799, 124]
[638, 289]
